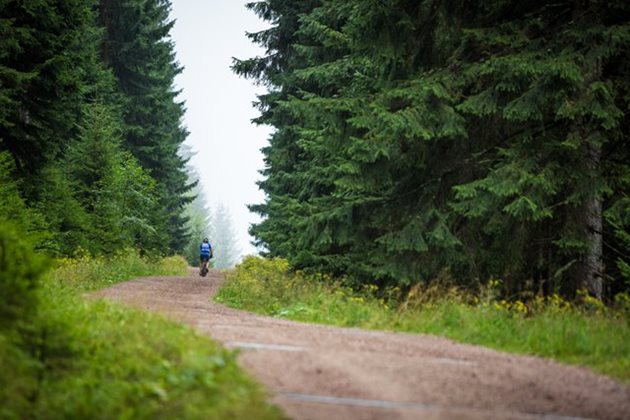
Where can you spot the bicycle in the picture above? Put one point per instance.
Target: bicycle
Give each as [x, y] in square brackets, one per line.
[204, 268]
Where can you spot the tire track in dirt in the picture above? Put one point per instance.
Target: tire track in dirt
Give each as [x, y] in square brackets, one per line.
[321, 372]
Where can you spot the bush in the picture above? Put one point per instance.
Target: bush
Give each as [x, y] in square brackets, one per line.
[20, 271]
[270, 286]
[102, 360]
[82, 359]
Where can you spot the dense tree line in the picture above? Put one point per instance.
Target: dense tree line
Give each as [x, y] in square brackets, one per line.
[90, 126]
[417, 140]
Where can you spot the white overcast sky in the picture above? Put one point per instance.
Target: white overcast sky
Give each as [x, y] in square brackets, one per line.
[207, 34]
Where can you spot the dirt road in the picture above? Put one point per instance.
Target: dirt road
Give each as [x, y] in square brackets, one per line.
[319, 372]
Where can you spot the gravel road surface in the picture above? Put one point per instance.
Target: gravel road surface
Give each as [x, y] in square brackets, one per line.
[320, 372]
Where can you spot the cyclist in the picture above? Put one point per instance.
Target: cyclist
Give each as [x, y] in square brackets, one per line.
[205, 252]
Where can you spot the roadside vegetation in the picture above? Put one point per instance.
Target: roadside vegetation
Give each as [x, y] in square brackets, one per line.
[66, 356]
[489, 139]
[91, 273]
[93, 168]
[584, 332]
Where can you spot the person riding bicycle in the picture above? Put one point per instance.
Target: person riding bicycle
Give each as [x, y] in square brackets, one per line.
[205, 251]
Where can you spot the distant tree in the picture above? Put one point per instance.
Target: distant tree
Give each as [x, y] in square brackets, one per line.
[223, 238]
[197, 211]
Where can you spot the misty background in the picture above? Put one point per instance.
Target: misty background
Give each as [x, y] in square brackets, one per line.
[207, 35]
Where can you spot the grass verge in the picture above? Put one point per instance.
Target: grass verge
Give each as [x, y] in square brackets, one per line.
[87, 273]
[590, 335]
[93, 359]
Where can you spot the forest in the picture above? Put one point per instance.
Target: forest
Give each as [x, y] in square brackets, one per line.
[96, 188]
[449, 141]
[448, 167]
[91, 127]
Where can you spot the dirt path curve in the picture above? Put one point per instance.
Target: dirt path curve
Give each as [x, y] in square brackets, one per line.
[319, 372]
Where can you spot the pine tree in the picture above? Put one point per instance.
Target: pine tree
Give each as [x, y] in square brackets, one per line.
[275, 232]
[97, 198]
[65, 103]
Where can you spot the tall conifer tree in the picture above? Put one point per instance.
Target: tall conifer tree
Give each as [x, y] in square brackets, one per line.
[483, 139]
[48, 68]
[139, 51]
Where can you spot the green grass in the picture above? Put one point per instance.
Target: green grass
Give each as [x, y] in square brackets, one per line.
[77, 358]
[588, 335]
[89, 273]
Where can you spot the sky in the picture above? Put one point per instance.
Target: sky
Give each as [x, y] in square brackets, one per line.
[207, 34]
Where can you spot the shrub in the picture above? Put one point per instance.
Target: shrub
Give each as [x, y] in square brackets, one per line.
[103, 360]
[94, 359]
[20, 271]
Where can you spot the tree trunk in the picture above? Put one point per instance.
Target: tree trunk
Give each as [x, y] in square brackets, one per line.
[590, 267]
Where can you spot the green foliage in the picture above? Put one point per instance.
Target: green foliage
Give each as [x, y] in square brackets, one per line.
[20, 271]
[79, 358]
[135, 205]
[417, 136]
[97, 198]
[16, 380]
[48, 65]
[69, 110]
[87, 366]
[141, 55]
[14, 208]
[587, 333]
[68, 221]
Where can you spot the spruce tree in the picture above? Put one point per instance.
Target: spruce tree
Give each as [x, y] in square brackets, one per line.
[47, 56]
[65, 103]
[139, 51]
[417, 138]
[276, 233]
[97, 198]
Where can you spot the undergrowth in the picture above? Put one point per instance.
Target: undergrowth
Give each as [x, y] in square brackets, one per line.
[588, 334]
[71, 357]
[101, 360]
[90, 273]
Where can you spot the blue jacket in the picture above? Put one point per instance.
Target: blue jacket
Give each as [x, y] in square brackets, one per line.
[205, 250]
